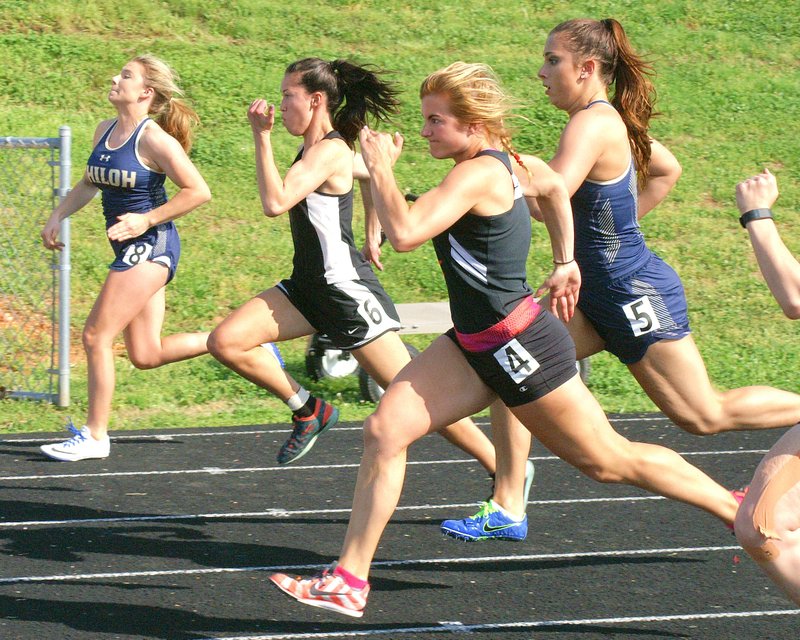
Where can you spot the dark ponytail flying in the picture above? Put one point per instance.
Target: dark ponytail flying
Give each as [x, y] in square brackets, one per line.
[354, 92]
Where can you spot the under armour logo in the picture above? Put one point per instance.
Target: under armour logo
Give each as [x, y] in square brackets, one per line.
[105, 157]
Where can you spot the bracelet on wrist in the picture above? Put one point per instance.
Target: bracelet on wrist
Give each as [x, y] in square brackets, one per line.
[754, 214]
[558, 263]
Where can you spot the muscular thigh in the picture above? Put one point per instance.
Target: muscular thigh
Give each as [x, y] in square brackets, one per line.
[123, 297]
[383, 358]
[674, 376]
[434, 389]
[571, 424]
[269, 317]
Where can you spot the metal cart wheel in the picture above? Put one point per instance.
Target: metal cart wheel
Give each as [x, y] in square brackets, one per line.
[324, 360]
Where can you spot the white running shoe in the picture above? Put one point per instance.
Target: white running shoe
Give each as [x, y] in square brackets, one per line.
[81, 446]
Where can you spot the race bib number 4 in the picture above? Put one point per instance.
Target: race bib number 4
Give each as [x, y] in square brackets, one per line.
[641, 315]
[516, 361]
[137, 253]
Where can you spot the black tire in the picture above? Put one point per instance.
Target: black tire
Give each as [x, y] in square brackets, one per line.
[371, 390]
[324, 360]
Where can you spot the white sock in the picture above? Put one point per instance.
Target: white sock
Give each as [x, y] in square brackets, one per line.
[512, 516]
[298, 399]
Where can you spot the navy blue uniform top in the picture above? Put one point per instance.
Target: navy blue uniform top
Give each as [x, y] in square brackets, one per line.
[483, 259]
[608, 241]
[322, 233]
[126, 184]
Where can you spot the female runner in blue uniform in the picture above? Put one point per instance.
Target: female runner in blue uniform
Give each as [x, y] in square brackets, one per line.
[332, 288]
[503, 343]
[133, 154]
[632, 303]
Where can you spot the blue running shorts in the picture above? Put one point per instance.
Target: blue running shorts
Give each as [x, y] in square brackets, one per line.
[158, 244]
[634, 312]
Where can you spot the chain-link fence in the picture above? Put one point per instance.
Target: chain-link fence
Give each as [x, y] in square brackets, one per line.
[34, 282]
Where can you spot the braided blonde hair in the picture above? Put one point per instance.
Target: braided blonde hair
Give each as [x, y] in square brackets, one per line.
[476, 97]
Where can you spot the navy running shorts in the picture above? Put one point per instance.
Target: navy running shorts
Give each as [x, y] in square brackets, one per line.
[158, 244]
[530, 365]
[636, 311]
[352, 313]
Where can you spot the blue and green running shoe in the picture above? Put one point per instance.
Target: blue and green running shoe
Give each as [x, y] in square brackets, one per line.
[490, 523]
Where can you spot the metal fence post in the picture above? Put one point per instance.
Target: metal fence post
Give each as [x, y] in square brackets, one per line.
[64, 184]
[29, 294]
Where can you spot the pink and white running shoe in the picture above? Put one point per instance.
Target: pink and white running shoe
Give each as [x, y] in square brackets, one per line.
[327, 591]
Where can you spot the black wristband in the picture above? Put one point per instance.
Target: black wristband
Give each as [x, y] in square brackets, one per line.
[754, 214]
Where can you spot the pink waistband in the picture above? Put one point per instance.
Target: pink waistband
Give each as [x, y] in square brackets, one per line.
[512, 325]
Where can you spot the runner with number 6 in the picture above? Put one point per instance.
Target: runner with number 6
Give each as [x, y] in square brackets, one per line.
[332, 288]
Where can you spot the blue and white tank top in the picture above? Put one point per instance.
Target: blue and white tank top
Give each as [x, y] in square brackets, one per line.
[608, 240]
[126, 184]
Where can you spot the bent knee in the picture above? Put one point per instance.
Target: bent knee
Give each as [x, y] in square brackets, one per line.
[702, 424]
[221, 345]
[384, 434]
[746, 533]
[144, 361]
[602, 472]
[756, 544]
[93, 339]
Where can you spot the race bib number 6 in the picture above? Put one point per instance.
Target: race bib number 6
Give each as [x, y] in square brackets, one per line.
[516, 361]
[641, 315]
[137, 253]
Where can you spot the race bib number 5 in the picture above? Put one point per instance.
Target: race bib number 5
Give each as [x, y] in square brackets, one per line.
[137, 253]
[516, 361]
[641, 315]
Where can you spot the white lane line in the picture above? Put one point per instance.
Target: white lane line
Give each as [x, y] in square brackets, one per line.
[172, 435]
[286, 513]
[459, 627]
[383, 563]
[327, 467]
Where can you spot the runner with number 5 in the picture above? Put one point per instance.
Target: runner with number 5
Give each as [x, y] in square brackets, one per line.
[632, 303]
[133, 154]
[332, 288]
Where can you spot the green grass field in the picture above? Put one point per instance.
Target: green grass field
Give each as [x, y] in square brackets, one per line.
[728, 79]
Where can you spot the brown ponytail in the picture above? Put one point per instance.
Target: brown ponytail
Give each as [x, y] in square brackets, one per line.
[634, 94]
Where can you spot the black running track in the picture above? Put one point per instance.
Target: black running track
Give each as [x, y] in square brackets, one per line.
[175, 535]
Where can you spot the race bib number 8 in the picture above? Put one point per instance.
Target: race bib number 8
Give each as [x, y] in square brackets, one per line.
[641, 315]
[137, 253]
[516, 361]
